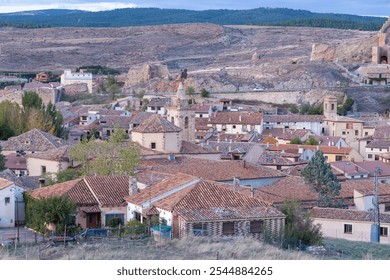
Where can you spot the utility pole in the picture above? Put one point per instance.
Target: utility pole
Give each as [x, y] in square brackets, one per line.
[375, 228]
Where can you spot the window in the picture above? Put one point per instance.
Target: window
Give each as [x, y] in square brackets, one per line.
[200, 229]
[332, 105]
[343, 133]
[7, 200]
[348, 228]
[114, 216]
[387, 208]
[356, 132]
[153, 145]
[384, 231]
[257, 226]
[369, 156]
[339, 158]
[185, 122]
[43, 169]
[366, 133]
[172, 119]
[228, 228]
[234, 126]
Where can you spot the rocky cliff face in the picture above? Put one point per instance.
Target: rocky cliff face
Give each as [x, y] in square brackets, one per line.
[322, 52]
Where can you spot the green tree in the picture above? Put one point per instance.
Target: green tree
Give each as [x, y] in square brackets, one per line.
[204, 93]
[319, 177]
[190, 91]
[51, 210]
[311, 141]
[31, 99]
[113, 157]
[294, 109]
[296, 140]
[299, 228]
[2, 160]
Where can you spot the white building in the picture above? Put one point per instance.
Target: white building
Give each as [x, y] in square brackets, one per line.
[11, 204]
[69, 78]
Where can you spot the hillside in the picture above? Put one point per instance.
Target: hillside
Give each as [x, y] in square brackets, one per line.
[155, 16]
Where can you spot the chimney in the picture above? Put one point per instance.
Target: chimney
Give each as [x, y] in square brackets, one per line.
[236, 182]
[133, 189]
[239, 118]
[244, 163]
[252, 192]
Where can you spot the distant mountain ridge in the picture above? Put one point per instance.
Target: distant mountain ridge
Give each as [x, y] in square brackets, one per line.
[156, 16]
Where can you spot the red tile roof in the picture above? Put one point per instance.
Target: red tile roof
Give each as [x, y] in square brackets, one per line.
[324, 149]
[235, 118]
[160, 188]
[294, 187]
[4, 183]
[347, 215]
[212, 201]
[101, 190]
[156, 124]
[214, 170]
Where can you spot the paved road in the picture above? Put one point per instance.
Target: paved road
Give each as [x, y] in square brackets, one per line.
[25, 235]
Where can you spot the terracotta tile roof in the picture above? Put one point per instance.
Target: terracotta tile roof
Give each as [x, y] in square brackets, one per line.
[286, 133]
[327, 140]
[202, 108]
[192, 148]
[201, 124]
[15, 162]
[166, 185]
[226, 148]
[235, 118]
[102, 190]
[379, 144]
[112, 121]
[294, 187]
[92, 209]
[109, 112]
[347, 215]
[348, 168]
[293, 118]
[208, 201]
[371, 166]
[269, 140]
[158, 102]
[156, 124]
[148, 177]
[275, 158]
[344, 119]
[137, 118]
[58, 154]
[59, 189]
[33, 140]
[382, 132]
[214, 170]
[324, 149]
[4, 183]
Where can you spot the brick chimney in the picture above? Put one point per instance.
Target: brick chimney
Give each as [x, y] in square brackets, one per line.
[253, 192]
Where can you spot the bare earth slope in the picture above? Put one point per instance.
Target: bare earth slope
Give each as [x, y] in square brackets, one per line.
[218, 58]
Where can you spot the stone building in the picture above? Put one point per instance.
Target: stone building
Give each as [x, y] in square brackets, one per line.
[182, 114]
[69, 78]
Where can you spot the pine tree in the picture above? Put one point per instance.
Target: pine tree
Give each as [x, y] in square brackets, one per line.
[319, 177]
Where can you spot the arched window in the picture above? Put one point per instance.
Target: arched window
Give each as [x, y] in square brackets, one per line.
[172, 119]
[186, 122]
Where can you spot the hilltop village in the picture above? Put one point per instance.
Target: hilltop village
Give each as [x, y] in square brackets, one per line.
[191, 161]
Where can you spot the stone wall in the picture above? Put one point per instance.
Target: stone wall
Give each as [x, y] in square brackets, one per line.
[146, 72]
[47, 95]
[323, 52]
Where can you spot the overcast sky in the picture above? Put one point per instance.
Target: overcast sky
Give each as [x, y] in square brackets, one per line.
[356, 7]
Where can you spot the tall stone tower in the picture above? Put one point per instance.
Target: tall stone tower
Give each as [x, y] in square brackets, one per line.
[330, 107]
[182, 115]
